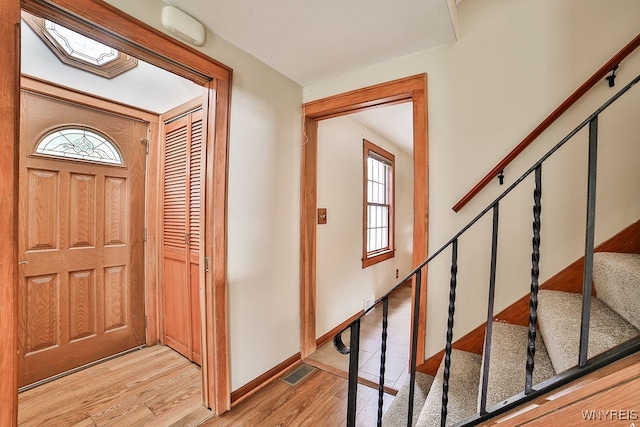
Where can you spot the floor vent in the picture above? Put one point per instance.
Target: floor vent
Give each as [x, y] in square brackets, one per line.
[298, 374]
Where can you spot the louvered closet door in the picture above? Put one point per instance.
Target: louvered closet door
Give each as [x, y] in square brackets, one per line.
[181, 269]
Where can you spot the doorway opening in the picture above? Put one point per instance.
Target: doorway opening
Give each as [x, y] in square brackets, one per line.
[357, 188]
[133, 38]
[411, 89]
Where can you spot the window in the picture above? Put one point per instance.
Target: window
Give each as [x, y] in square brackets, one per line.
[79, 51]
[378, 217]
[79, 144]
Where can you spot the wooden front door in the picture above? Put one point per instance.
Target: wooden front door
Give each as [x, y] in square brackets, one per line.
[81, 231]
[182, 182]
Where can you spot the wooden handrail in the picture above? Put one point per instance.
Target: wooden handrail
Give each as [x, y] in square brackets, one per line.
[595, 78]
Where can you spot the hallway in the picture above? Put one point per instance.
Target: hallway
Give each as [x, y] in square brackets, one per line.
[399, 334]
[156, 386]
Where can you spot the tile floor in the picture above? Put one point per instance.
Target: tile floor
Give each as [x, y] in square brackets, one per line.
[399, 332]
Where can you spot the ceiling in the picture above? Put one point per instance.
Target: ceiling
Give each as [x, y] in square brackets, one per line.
[312, 40]
[394, 123]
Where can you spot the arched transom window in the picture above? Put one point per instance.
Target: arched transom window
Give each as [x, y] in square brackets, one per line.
[80, 144]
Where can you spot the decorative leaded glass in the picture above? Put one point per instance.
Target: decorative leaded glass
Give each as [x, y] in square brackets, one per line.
[79, 144]
[79, 51]
[81, 47]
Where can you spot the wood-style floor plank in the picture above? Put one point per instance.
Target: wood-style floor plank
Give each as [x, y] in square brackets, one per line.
[158, 387]
[318, 400]
[153, 386]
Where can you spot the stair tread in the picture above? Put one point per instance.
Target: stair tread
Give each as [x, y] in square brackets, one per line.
[507, 365]
[396, 415]
[616, 277]
[463, 390]
[559, 315]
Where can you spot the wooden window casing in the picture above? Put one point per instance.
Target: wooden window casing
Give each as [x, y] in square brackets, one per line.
[378, 216]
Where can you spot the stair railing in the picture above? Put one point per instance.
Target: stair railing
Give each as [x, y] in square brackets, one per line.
[609, 67]
[584, 365]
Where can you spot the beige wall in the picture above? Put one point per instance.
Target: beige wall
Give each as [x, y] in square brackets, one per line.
[513, 63]
[342, 284]
[263, 207]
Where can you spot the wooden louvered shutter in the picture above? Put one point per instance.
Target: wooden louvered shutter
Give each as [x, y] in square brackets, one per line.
[195, 177]
[175, 189]
[195, 187]
[183, 164]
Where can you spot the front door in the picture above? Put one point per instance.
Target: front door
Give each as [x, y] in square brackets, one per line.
[81, 231]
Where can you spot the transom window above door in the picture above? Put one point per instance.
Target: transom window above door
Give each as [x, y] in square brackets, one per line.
[79, 51]
[79, 144]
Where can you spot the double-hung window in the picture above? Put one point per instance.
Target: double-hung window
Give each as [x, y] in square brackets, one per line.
[378, 212]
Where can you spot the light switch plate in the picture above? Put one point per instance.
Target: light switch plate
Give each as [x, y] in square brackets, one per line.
[322, 215]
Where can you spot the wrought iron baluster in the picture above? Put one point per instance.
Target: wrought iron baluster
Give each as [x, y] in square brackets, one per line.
[535, 274]
[587, 276]
[353, 351]
[447, 353]
[383, 356]
[489, 328]
[414, 345]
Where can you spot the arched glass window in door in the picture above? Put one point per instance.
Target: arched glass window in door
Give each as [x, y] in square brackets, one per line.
[80, 144]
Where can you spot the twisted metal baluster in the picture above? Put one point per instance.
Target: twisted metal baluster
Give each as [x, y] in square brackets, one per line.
[447, 353]
[383, 356]
[535, 273]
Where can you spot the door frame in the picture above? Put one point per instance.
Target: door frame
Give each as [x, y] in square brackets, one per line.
[109, 25]
[409, 89]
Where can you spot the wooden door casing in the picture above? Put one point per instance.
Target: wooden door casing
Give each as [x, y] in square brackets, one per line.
[182, 188]
[81, 282]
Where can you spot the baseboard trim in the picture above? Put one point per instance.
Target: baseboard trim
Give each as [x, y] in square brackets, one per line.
[332, 333]
[567, 280]
[263, 380]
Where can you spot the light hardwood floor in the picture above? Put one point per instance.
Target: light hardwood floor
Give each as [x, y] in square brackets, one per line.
[156, 386]
[320, 399]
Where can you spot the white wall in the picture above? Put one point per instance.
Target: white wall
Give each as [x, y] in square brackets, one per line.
[263, 207]
[341, 282]
[514, 62]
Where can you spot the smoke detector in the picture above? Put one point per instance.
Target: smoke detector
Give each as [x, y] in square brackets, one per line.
[183, 25]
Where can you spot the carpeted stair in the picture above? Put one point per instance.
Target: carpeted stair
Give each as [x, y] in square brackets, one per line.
[616, 278]
[397, 413]
[615, 318]
[508, 360]
[463, 390]
[559, 319]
